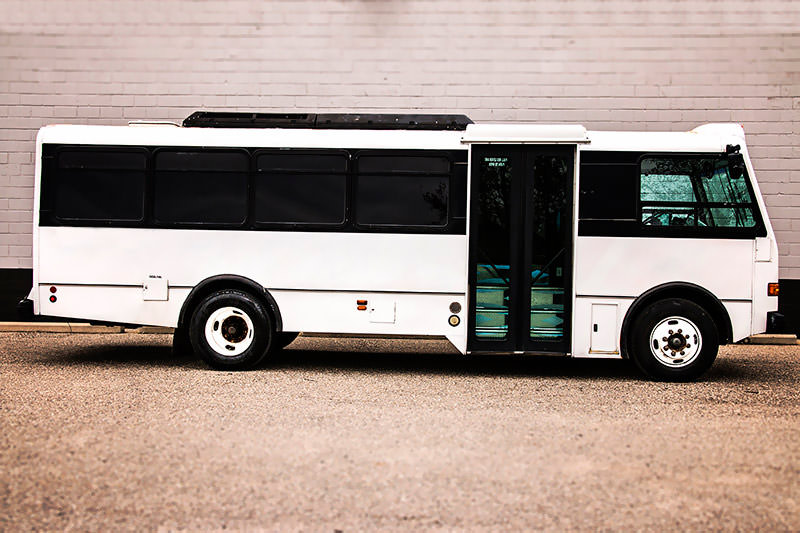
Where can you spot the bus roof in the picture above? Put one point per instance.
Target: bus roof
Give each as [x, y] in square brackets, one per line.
[706, 138]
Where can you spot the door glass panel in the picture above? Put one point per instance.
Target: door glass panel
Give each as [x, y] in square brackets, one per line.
[493, 264]
[548, 211]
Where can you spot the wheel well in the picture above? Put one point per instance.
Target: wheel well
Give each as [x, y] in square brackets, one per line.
[687, 291]
[230, 281]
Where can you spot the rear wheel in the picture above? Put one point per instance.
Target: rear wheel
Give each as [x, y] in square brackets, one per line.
[231, 330]
[674, 340]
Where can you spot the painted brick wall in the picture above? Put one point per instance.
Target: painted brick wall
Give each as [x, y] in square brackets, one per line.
[641, 65]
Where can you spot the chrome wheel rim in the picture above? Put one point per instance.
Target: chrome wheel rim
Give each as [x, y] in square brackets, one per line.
[229, 331]
[676, 342]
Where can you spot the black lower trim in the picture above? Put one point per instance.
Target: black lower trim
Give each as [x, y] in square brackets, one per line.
[25, 310]
[776, 322]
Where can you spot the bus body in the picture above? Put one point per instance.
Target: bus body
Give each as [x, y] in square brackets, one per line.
[502, 238]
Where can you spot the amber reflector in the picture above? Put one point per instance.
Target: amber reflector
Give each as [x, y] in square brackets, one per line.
[773, 289]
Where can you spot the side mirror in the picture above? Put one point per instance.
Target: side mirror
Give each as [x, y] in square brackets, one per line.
[736, 166]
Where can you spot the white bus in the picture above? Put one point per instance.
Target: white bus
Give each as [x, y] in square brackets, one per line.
[240, 230]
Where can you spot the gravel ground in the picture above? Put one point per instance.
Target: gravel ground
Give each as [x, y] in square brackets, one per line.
[102, 432]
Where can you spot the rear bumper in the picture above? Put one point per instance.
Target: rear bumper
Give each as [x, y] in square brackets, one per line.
[25, 309]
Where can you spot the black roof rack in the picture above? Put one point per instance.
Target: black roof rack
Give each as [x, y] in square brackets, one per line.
[333, 121]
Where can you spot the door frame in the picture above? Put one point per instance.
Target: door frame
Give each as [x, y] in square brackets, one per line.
[521, 251]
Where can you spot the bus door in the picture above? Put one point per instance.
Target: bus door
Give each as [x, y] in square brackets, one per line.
[521, 248]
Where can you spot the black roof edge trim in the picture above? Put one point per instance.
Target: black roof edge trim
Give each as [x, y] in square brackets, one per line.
[340, 121]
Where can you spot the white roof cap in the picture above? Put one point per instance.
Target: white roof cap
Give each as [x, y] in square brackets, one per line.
[525, 133]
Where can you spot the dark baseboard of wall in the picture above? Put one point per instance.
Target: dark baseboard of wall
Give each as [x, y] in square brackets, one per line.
[15, 284]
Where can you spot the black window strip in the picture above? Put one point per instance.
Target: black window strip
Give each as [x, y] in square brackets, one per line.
[454, 224]
[627, 227]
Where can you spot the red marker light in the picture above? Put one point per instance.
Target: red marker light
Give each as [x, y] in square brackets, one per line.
[53, 299]
[53, 290]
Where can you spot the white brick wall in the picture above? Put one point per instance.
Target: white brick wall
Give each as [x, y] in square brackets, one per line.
[641, 65]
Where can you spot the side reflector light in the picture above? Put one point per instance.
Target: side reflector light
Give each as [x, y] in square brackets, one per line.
[53, 298]
[773, 289]
[53, 290]
[362, 307]
[454, 320]
[361, 302]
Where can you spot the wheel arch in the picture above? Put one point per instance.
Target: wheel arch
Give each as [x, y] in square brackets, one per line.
[688, 291]
[230, 281]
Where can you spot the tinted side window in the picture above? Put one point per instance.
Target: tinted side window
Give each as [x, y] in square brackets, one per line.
[694, 191]
[400, 190]
[301, 188]
[100, 185]
[201, 187]
[608, 191]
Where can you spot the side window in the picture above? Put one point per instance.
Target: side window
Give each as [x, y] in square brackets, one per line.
[100, 185]
[608, 187]
[693, 191]
[721, 187]
[201, 186]
[301, 188]
[402, 190]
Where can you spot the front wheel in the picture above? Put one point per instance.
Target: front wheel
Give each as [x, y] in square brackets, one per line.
[231, 330]
[674, 340]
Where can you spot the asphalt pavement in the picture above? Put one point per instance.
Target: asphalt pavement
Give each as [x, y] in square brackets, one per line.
[112, 432]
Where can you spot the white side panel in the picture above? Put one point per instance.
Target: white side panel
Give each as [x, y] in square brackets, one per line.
[112, 304]
[583, 326]
[309, 311]
[628, 266]
[604, 329]
[337, 312]
[382, 309]
[740, 313]
[155, 288]
[763, 249]
[409, 280]
[765, 270]
[276, 260]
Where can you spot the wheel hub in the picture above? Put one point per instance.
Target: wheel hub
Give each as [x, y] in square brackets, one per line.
[675, 342]
[229, 331]
[234, 329]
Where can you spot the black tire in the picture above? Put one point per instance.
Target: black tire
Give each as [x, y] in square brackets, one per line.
[285, 338]
[686, 341]
[221, 334]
